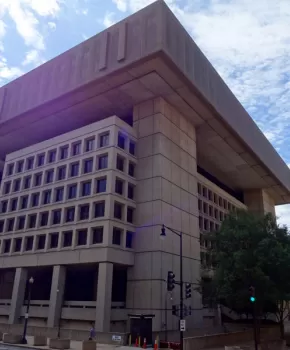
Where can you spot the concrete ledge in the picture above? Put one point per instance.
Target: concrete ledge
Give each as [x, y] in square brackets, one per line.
[39, 340]
[59, 343]
[89, 345]
[11, 338]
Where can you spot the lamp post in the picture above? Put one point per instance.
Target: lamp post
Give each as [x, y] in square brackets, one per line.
[30, 283]
[179, 234]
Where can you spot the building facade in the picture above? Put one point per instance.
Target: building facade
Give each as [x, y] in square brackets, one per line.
[140, 131]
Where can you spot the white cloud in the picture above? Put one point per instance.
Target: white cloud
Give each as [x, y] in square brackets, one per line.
[8, 72]
[121, 5]
[33, 57]
[51, 25]
[108, 20]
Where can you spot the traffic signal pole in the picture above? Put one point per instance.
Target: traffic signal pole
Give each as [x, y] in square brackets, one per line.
[255, 326]
[181, 292]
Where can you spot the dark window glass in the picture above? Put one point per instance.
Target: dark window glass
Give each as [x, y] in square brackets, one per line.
[131, 169]
[64, 152]
[129, 239]
[82, 237]
[17, 185]
[88, 166]
[53, 240]
[72, 191]
[27, 182]
[118, 208]
[101, 185]
[41, 242]
[18, 243]
[90, 145]
[4, 205]
[10, 225]
[61, 173]
[119, 186]
[131, 191]
[10, 169]
[70, 214]
[30, 163]
[74, 169]
[49, 176]
[32, 221]
[14, 202]
[21, 222]
[1, 225]
[130, 215]
[20, 166]
[132, 147]
[104, 140]
[24, 202]
[40, 159]
[76, 149]
[52, 156]
[29, 243]
[103, 162]
[117, 235]
[46, 197]
[98, 233]
[121, 141]
[86, 188]
[7, 245]
[99, 209]
[59, 194]
[44, 219]
[120, 163]
[37, 179]
[67, 239]
[35, 199]
[56, 217]
[84, 211]
[7, 187]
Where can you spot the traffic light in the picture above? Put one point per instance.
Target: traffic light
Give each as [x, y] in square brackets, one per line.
[174, 310]
[187, 291]
[170, 281]
[252, 294]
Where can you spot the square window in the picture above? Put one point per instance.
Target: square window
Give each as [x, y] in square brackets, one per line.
[53, 240]
[121, 140]
[103, 162]
[98, 233]
[82, 237]
[63, 152]
[118, 210]
[86, 188]
[119, 186]
[44, 218]
[24, 202]
[21, 222]
[70, 214]
[10, 224]
[29, 163]
[88, 166]
[89, 144]
[99, 209]
[59, 194]
[131, 189]
[61, 173]
[120, 163]
[56, 217]
[17, 185]
[101, 185]
[27, 182]
[132, 147]
[41, 242]
[49, 176]
[84, 212]
[1, 225]
[117, 236]
[131, 171]
[14, 203]
[10, 169]
[129, 239]
[7, 246]
[52, 156]
[32, 221]
[76, 148]
[17, 245]
[35, 199]
[67, 239]
[29, 243]
[37, 179]
[7, 187]
[72, 191]
[40, 159]
[4, 205]
[74, 169]
[20, 166]
[199, 188]
[199, 205]
[104, 139]
[130, 215]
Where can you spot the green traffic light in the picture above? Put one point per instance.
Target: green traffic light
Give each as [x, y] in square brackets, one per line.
[252, 299]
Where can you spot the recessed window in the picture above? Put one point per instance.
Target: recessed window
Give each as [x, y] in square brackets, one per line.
[89, 144]
[99, 209]
[82, 236]
[7, 246]
[104, 139]
[103, 162]
[86, 188]
[199, 188]
[32, 221]
[70, 214]
[130, 215]
[56, 217]
[76, 148]
[14, 203]
[10, 169]
[118, 210]
[98, 233]
[1, 225]
[17, 245]
[72, 191]
[120, 163]
[20, 165]
[21, 223]
[121, 140]
[61, 173]
[52, 156]
[129, 239]
[27, 182]
[205, 208]
[40, 159]
[117, 236]
[119, 184]
[84, 212]
[53, 240]
[59, 194]
[24, 202]
[74, 169]
[35, 199]
[7, 187]
[101, 185]
[88, 166]
[131, 170]
[67, 239]
[10, 224]
[41, 242]
[4, 205]
[29, 243]
[131, 189]
[132, 147]
[44, 219]
[63, 154]
[17, 185]
[49, 176]
[37, 179]
[29, 163]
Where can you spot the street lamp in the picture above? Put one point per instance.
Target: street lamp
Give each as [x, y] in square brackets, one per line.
[30, 283]
[179, 234]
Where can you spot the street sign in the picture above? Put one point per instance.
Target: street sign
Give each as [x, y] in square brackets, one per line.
[182, 325]
[117, 338]
[26, 315]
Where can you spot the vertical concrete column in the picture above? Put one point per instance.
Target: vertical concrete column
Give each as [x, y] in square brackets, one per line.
[104, 297]
[259, 201]
[18, 294]
[56, 295]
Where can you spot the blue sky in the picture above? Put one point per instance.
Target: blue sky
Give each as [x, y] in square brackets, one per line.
[247, 41]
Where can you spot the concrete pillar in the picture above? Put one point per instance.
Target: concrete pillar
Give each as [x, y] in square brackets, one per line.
[259, 201]
[104, 297]
[56, 295]
[17, 294]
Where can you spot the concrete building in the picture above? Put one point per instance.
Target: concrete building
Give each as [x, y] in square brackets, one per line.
[102, 145]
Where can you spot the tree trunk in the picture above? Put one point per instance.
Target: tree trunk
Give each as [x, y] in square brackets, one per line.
[282, 329]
